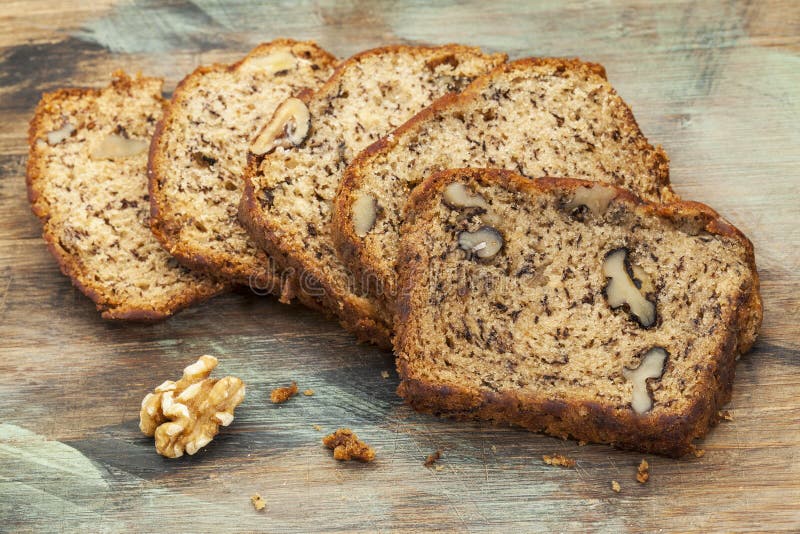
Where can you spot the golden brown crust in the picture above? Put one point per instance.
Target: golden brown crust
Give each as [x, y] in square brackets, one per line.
[110, 306]
[356, 314]
[167, 231]
[351, 248]
[591, 421]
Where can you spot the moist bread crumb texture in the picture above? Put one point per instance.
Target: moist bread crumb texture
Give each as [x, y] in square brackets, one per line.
[529, 334]
[87, 182]
[537, 117]
[289, 192]
[200, 151]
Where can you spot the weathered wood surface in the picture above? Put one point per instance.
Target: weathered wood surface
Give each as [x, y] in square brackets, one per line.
[717, 83]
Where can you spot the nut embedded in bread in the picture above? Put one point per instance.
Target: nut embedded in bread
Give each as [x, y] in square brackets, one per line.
[537, 117]
[530, 337]
[290, 184]
[87, 182]
[200, 151]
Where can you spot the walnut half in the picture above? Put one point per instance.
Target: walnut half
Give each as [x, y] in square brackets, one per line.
[186, 415]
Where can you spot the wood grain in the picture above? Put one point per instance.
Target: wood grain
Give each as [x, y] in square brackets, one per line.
[715, 82]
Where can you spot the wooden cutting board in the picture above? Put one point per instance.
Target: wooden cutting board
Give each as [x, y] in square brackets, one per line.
[715, 82]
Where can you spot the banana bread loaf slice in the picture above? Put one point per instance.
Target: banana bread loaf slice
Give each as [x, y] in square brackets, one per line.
[538, 117]
[298, 158]
[571, 307]
[200, 151]
[87, 182]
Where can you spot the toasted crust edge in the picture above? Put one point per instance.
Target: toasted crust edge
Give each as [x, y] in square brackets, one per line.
[110, 308]
[165, 230]
[351, 248]
[354, 315]
[667, 435]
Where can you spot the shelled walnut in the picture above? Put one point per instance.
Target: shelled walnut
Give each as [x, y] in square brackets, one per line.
[288, 127]
[365, 212]
[186, 415]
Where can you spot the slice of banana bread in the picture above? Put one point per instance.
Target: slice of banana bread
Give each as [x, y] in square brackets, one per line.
[87, 182]
[537, 117]
[571, 307]
[298, 158]
[200, 151]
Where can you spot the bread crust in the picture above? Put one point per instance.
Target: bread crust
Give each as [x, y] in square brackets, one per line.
[260, 270]
[668, 435]
[356, 314]
[351, 248]
[110, 306]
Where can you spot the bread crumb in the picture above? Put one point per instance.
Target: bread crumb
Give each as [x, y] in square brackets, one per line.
[308, 392]
[346, 446]
[258, 502]
[438, 467]
[582, 443]
[615, 486]
[494, 448]
[432, 458]
[643, 472]
[559, 460]
[283, 394]
[725, 415]
[385, 374]
[317, 428]
[698, 453]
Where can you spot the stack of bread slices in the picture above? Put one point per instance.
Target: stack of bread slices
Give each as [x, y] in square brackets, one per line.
[504, 226]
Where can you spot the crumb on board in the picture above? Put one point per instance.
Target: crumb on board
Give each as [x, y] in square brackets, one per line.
[643, 472]
[308, 392]
[385, 374]
[582, 443]
[438, 467]
[698, 453]
[317, 428]
[494, 448]
[559, 460]
[615, 486]
[346, 446]
[258, 502]
[432, 458]
[725, 415]
[283, 394]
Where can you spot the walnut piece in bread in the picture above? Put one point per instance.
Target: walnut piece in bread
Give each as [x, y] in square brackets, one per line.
[184, 416]
[622, 290]
[483, 243]
[365, 211]
[288, 127]
[652, 366]
[114, 146]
